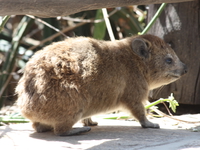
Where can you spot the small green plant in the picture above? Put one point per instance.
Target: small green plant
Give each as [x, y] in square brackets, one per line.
[172, 103]
[14, 118]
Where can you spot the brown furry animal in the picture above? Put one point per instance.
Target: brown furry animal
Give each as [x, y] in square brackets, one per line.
[80, 77]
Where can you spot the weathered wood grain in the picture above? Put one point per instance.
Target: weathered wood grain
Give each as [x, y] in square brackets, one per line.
[54, 8]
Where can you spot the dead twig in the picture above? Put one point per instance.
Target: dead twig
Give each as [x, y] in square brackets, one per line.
[171, 117]
[47, 24]
[57, 34]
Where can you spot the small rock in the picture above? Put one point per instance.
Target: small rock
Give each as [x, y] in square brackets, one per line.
[195, 130]
[180, 126]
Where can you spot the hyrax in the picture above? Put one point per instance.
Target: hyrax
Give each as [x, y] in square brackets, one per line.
[80, 77]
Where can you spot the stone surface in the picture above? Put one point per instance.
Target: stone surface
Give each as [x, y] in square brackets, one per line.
[108, 135]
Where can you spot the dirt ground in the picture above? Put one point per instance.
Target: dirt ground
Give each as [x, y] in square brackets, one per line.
[108, 135]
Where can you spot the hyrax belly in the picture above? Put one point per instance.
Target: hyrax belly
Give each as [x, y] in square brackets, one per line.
[79, 77]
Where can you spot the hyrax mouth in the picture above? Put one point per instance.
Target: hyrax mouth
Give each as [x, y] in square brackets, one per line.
[177, 73]
[174, 76]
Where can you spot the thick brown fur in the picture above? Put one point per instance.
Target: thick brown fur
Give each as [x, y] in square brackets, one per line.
[80, 77]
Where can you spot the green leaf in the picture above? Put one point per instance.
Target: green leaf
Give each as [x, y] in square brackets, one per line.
[4, 20]
[150, 24]
[11, 55]
[126, 20]
[99, 28]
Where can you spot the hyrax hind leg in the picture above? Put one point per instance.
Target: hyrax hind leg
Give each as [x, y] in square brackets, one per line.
[65, 129]
[138, 111]
[39, 127]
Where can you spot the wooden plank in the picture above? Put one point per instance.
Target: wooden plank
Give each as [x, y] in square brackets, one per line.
[54, 8]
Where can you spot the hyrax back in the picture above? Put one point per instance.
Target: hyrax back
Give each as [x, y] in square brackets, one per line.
[79, 77]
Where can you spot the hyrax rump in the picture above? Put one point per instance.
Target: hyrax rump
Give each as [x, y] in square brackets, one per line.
[80, 77]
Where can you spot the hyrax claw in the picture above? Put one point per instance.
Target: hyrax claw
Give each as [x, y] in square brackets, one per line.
[151, 125]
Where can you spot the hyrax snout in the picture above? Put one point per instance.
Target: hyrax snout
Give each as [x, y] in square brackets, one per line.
[80, 77]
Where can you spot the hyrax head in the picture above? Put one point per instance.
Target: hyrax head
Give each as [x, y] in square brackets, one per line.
[163, 65]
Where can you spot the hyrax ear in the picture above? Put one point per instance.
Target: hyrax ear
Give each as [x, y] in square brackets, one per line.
[140, 47]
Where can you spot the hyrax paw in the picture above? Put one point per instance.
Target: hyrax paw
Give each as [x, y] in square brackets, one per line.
[75, 131]
[155, 125]
[151, 125]
[89, 122]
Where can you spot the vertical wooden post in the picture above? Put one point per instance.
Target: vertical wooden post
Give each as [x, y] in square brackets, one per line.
[179, 25]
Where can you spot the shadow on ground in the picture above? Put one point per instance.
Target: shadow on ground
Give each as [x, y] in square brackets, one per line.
[121, 137]
[117, 135]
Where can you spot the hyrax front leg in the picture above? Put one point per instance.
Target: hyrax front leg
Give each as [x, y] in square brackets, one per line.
[89, 122]
[138, 111]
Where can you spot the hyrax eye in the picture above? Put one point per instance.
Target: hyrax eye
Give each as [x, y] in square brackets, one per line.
[168, 60]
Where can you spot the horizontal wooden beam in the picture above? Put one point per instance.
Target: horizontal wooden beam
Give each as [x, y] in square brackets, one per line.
[54, 8]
